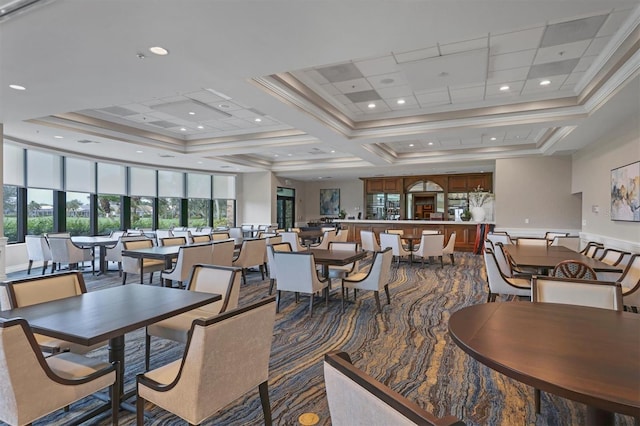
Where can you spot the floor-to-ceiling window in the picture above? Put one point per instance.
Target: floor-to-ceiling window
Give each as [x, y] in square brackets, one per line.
[111, 188]
[79, 184]
[142, 190]
[44, 176]
[10, 207]
[224, 203]
[170, 194]
[13, 179]
[286, 207]
[199, 195]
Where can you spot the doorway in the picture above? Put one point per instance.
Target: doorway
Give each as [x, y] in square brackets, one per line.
[286, 207]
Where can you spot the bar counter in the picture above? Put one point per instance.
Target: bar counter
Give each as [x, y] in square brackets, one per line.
[467, 233]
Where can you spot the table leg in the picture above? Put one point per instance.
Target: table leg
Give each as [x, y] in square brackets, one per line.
[599, 417]
[116, 353]
[103, 260]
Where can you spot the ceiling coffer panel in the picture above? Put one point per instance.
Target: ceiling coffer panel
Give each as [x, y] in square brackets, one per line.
[191, 110]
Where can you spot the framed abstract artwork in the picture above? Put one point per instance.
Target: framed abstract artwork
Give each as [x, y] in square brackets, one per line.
[330, 202]
[625, 193]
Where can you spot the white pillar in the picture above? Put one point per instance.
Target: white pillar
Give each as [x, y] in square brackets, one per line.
[3, 239]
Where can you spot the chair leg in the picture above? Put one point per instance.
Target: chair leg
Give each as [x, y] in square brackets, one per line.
[489, 297]
[244, 276]
[311, 297]
[119, 269]
[278, 301]
[29, 267]
[124, 278]
[264, 400]
[262, 271]
[44, 266]
[377, 296]
[386, 290]
[453, 262]
[342, 298]
[536, 398]
[441, 262]
[271, 283]
[326, 297]
[147, 351]
[139, 411]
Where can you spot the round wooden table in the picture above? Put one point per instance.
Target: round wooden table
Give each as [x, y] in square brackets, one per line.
[584, 354]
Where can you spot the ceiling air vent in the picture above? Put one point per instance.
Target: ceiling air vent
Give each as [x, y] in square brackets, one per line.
[87, 141]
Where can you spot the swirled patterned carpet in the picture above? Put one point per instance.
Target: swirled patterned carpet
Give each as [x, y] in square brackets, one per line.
[406, 347]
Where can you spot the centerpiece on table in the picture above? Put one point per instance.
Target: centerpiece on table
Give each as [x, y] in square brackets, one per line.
[477, 199]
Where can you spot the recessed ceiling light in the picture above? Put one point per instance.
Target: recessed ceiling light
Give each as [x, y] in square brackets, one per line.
[161, 51]
[504, 88]
[223, 105]
[183, 129]
[201, 127]
[17, 87]
[430, 143]
[289, 155]
[371, 105]
[319, 177]
[199, 162]
[275, 155]
[59, 137]
[257, 120]
[411, 145]
[387, 81]
[139, 152]
[545, 82]
[333, 151]
[400, 101]
[192, 113]
[493, 139]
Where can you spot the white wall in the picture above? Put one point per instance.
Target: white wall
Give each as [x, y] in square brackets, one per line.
[255, 199]
[351, 197]
[592, 176]
[538, 189]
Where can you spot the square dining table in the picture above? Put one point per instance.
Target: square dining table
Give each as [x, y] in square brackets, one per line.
[109, 314]
[328, 258]
[545, 258]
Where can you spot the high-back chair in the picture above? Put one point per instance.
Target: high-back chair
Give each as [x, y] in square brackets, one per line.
[338, 271]
[356, 398]
[201, 238]
[534, 242]
[33, 386]
[270, 239]
[226, 356]
[187, 257]
[219, 236]
[591, 248]
[292, 239]
[327, 237]
[221, 280]
[132, 265]
[375, 279]
[393, 241]
[551, 235]
[179, 240]
[31, 291]
[64, 251]
[449, 249]
[630, 281]
[572, 243]
[222, 253]
[297, 273]
[163, 233]
[613, 256]
[430, 232]
[499, 237]
[273, 270]
[342, 235]
[114, 253]
[368, 241]
[236, 234]
[499, 284]
[574, 269]
[38, 251]
[251, 254]
[431, 245]
[184, 234]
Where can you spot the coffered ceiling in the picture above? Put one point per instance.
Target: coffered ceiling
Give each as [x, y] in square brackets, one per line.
[319, 89]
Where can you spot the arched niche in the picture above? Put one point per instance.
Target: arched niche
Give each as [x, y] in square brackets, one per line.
[425, 200]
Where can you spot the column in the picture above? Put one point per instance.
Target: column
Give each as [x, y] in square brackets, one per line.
[3, 239]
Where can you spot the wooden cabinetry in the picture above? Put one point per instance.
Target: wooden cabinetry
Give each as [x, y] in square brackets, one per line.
[469, 182]
[384, 185]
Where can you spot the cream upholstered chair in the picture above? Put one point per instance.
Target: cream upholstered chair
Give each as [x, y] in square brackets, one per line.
[591, 248]
[222, 253]
[613, 256]
[236, 234]
[273, 274]
[33, 386]
[368, 240]
[226, 356]
[550, 235]
[269, 239]
[356, 398]
[64, 251]
[292, 239]
[430, 232]
[201, 238]
[499, 237]
[187, 257]
[393, 241]
[572, 243]
[375, 279]
[344, 270]
[163, 233]
[449, 249]
[342, 236]
[538, 242]
[296, 271]
[31, 291]
[176, 240]
[221, 280]
[135, 266]
[431, 245]
[38, 251]
[219, 236]
[184, 234]
[595, 294]
[500, 284]
[251, 254]
[513, 269]
[114, 253]
[327, 237]
[630, 281]
[574, 269]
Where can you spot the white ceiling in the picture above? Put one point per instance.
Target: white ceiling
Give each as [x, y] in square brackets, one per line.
[287, 85]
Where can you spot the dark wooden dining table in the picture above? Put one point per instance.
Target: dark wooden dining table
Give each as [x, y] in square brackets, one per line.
[93, 242]
[545, 258]
[585, 354]
[109, 314]
[164, 253]
[328, 258]
[411, 239]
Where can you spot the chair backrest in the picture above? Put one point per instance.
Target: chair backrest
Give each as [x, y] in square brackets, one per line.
[630, 278]
[532, 242]
[596, 294]
[203, 238]
[431, 245]
[550, 235]
[296, 272]
[114, 254]
[37, 247]
[395, 231]
[58, 234]
[574, 269]
[251, 253]
[184, 234]
[572, 243]
[379, 273]
[356, 398]
[173, 241]
[222, 280]
[451, 244]
[31, 291]
[292, 239]
[498, 282]
[222, 253]
[226, 356]
[612, 256]
[219, 236]
[163, 233]
[342, 235]
[368, 240]
[60, 248]
[130, 264]
[391, 240]
[328, 237]
[499, 238]
[591, 248]
[235, 233]
[271, 248]
[187, 257]
[503, 260]
[430, 232]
